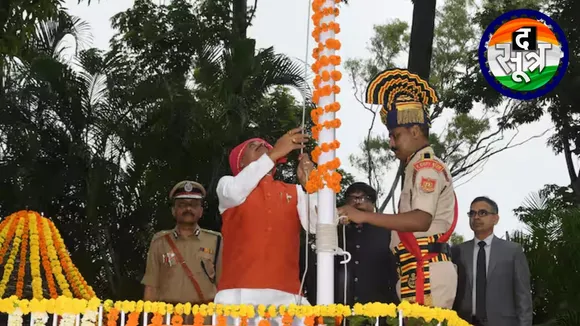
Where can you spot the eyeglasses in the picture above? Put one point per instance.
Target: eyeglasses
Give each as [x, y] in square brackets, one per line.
[480, 213]
[358, 199]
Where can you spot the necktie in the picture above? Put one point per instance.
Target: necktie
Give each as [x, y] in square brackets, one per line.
[480, 284]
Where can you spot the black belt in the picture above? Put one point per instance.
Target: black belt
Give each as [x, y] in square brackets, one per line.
[440, 248]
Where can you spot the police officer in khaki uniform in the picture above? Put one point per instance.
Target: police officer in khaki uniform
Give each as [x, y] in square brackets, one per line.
[184, 264]
[427, 207]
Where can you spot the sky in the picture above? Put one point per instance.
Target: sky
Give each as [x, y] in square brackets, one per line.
[508, 177]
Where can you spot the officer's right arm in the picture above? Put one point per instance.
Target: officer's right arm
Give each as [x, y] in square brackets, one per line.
[151, 278]
[233, 190]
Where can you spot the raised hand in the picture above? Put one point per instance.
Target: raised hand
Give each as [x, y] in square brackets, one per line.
[351, 214]
[291, 140]
[305, 166]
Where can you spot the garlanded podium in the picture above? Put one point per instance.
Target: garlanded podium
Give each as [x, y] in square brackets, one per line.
[61, 296]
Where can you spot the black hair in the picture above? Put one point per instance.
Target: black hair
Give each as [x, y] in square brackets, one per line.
[364, 188]
[488, 201]
[424, 128]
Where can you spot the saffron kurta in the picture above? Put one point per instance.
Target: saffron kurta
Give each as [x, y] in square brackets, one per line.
[262, 218]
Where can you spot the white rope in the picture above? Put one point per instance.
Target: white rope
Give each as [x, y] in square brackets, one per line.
[306, 249]
[345, 266]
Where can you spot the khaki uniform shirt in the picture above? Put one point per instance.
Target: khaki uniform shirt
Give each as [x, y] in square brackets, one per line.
[431, 192]
[165, 273]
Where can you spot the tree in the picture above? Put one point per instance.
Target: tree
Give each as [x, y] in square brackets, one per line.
[469, 139]
[456, 239]
[560, 104]
[550, 241]
[98, 141]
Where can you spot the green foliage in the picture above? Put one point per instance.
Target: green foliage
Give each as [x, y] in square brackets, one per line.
[456, 239]
[469, 139]
[96, 141]
[550, 241]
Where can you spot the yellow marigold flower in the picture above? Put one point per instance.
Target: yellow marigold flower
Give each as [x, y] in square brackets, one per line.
[272, 311]
[251, 312]
[147, 306]
[187, 308]
[179, 308]
[261, 310]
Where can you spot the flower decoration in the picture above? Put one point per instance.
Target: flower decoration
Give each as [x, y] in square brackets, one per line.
[69, 308]
[325, 88]
[35, 241]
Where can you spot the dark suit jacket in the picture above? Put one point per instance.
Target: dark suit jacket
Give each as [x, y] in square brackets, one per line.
[508, 293]
[372, 271]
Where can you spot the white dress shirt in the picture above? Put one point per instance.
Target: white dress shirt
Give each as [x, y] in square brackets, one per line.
[487, 249]
[232, 191]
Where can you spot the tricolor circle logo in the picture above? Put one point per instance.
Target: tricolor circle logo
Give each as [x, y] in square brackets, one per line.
[523, 54]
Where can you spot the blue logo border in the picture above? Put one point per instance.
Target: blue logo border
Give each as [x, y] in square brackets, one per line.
[564, 61]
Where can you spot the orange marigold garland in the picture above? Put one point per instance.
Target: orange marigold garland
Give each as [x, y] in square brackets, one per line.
[198, 320]
[133, 319]
[222, 320]
[45, 260]
[157, 319]
[22, 262]
[176, 320]
[112, 317]
[309, 320]
[325, 85]
[287, 320]
[265, 321]
[35, 241]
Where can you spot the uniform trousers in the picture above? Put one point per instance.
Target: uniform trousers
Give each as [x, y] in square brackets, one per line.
[443, 278]
[256, 297]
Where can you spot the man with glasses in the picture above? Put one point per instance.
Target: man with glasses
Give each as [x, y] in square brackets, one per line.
[371, 274]
[494, 278]
[184, 264]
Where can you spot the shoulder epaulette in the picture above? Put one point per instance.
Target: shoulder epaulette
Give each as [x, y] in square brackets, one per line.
[429, 164]
[160, 234]
[217, 234]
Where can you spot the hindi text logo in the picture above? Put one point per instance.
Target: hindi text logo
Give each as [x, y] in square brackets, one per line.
[523, 54]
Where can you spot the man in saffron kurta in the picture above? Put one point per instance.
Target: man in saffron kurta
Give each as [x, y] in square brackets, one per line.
[427, 207]
[262, 220]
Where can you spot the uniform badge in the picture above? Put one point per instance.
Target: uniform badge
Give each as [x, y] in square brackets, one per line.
[412, 280]
[428, 184]
[169, 259]
[188, 186]
[288, 197]
[206, 250]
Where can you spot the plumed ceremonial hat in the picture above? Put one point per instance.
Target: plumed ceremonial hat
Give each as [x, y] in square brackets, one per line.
[405, 98]
[187, 189]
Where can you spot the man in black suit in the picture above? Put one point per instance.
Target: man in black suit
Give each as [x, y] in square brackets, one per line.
[371, 274]
[493, 275]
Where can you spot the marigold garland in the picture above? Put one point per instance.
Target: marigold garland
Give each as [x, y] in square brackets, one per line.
[112, 317]
[22, 262]
[157, 319]
[133, 319]
[176, 320]
[37, 243]
[68, 306]
[325, 85]
[9, 265]
[35, 272]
